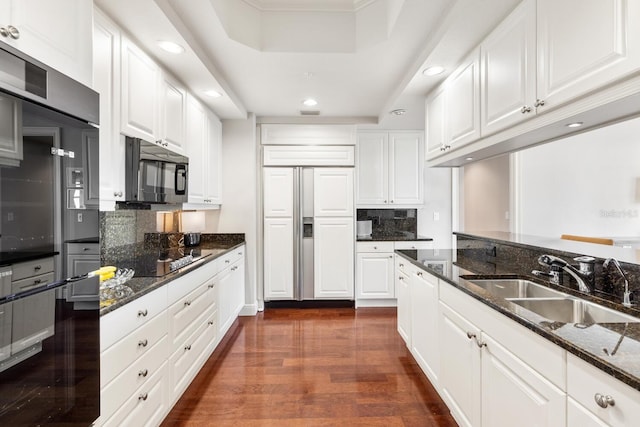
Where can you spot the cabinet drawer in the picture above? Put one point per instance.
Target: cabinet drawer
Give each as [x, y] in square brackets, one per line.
[135, 376]
[184, 313]
[415, 245]
[374, 246]
[584, 382]
[402, 265]
[32, 268]
[147, 406]
[231, 257]
[30, 282]
[183, 362]
[119, 323]
[138, 343]
[83, 248]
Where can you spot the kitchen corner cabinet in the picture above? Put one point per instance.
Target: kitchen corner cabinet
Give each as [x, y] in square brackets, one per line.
[389, 168]
[59, 34]
[106, 81]
[204, 133]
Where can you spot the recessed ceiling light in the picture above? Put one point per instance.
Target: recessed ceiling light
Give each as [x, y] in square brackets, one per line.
[398, 112]
[468, 159]
[575, 125]
[433, 71]
[310, 102]
[213, 93]
[170, 47]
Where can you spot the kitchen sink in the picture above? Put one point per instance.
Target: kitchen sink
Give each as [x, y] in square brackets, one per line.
[516, 288]
[573, 310]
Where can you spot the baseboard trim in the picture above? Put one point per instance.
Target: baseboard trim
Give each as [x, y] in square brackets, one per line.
[390, 302]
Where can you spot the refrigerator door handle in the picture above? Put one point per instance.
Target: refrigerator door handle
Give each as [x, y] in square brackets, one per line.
[297, 234]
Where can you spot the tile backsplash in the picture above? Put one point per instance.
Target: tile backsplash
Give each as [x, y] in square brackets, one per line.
[388, 221]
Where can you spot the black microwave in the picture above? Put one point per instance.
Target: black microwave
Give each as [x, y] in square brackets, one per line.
[154, 174]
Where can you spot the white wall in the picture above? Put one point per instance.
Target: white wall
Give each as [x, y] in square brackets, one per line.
[239, 211]
[485, 195]
[588, 184]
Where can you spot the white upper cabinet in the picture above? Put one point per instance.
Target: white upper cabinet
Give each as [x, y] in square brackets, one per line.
[196, 134]
[372, 168]
[584, 45]
[333, 193]
[58, 33]
[278, 192]
[508, 71]
[435, 120]
[389, 168]
[139, 102]
[172, 114]
[106, 81]
[213, 163]
[292, 134]
[463, 103]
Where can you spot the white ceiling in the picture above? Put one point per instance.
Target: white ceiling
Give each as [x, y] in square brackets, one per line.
[358, 58]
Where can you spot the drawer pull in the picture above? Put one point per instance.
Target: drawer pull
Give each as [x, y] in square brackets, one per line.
[210, 322]
[240, 253]
[37, 267]
[143, 396]
[471, 335]
[187, 347]
[187, 303]
[401, 265]
[604, 401]
[400, 278]
[419, 273]
[143, 343]
[37, 281]
[86, 249]
[375, 247]
[143, 373]
[143, 313]
[226, 261]
[211, 286]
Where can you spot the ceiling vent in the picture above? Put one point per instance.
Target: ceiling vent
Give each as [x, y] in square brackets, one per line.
[309, 112]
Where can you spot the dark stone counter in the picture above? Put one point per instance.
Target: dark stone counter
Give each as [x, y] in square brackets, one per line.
[403, 236]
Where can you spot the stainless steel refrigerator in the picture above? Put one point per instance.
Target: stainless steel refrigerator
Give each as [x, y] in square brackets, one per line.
[308, 233]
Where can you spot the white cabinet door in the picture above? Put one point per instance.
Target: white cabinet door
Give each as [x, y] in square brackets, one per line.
[463, 102]
[403, 294]
[172, 114]
[372, 168]
[424, 312]
[333, 252]
[333, 192]
[406, 159]
[375, 275]
[224, 283]
[578, 415]
[435, 123]
[6, 314]
[139, 95]
[106, 81]
[213, 187]
[196, 135]
[58, 33]
[10, 129]
[508, 71]
[584, 45]
[460, 375]
[514, 394]
[278, 258]
[278, 192]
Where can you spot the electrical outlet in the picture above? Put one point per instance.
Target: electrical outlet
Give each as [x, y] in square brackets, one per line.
[80, 217]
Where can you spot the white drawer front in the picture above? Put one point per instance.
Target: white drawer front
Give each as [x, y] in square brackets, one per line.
[135, 376]
[138, 343]
[374, 246]
[183, 360]
[147, 406]
[584, 382]
[32, 268]
[182, 286]
[83, 248]
[185, 311]
[402, 265]
[122, 321]
[416, 245]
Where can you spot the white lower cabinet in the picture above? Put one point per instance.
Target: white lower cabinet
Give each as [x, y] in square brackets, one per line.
[152, 348]
[375, 270]
[424, 314]
[403, 294]
[333, 251]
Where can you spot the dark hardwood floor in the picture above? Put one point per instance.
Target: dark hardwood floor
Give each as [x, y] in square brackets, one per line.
[312, 367]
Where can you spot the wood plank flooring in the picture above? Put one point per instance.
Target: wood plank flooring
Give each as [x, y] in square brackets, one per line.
[312, 367]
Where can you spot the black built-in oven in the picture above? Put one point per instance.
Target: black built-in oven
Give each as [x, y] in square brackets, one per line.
[49, 350]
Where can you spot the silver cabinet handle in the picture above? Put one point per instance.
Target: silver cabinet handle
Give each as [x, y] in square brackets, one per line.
[117, 194]
[37, 267]
[4, 32]
[187, 303]
[604, 401]
[226, 261]
[143, 313]
[10, 31]
[470, 335]
[210, 323]
[539, 103]
[525, 109]
[143, 396]
[385, 201]
[392, 201]
[187, 347]
[239, 253]
[211, 286]
[375, 248]
[400, 278]
[143, 343]
[390, 256]
[143, 373]
[401, 265]
[445, 147]
[419, 273]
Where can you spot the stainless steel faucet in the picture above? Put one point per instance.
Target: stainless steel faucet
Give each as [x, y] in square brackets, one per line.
[626, 299]
[585, 276]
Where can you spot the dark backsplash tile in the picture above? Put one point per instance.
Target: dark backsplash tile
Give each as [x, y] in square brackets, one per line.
[389, 221]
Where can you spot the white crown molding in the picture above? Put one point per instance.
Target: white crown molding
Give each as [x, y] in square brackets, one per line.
[309, 5]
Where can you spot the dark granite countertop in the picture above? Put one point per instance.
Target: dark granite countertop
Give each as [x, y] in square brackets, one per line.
[587, 341]
[144, 285]
[84, 240]
[398, 236]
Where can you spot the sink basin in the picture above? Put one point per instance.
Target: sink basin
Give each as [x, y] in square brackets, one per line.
[516, 288]
[573, 310]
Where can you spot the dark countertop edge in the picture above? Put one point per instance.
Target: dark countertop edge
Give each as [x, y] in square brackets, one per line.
[30, 257]
[393, 239]
[161, 281]
[615, 372]
[84, 240]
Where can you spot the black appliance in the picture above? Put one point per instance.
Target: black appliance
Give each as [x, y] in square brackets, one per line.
[154, 174]
[49, 352]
